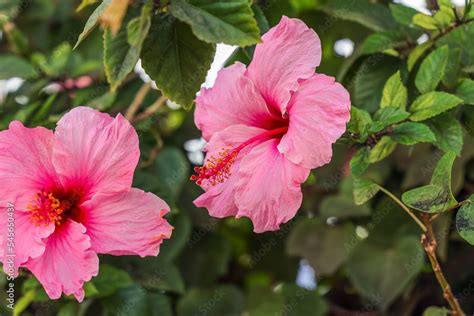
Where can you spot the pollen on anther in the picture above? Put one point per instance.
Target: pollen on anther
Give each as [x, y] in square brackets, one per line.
[46, 209]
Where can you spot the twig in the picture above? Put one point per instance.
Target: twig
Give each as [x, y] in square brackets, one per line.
[428, 240]
[150, 110]
[405, 208]
[137, 101]
[153, 154]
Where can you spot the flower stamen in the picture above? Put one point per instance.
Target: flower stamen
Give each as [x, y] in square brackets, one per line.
[46, 209]
[217, 168]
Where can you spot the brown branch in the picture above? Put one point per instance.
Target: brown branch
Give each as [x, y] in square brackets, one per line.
[428, 240]
[137, 101]
[150, 110]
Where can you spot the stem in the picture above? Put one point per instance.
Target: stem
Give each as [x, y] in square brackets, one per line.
[428, 240]
[137, 101]
[405, 208]
[150, 110]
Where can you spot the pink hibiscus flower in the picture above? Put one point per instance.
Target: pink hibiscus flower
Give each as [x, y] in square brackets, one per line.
[267, 126]
[72, 199]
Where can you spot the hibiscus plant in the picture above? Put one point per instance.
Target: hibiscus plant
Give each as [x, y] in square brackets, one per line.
[237, 157]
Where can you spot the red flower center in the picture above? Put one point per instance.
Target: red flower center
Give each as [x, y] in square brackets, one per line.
[54, 207]
[217, 168]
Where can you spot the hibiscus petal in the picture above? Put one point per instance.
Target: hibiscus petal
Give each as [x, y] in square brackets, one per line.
[232, 100]
[25, 160]
[288, 52]
[268, 190]
[318, 113]
[219, 199]
[67, 262]
[25, 168]
[27, 239]
[128, 223]
[95, 151]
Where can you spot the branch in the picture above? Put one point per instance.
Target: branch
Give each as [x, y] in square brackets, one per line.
[137, 101]
[428, 240]
[150, 110]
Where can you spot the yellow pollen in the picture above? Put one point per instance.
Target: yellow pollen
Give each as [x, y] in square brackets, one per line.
[46, 209]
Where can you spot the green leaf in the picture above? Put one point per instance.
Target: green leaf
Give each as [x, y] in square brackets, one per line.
[302, 5]
[137, 29]
[175, 59]
[432, 104]
[444, 16]
[342, 205]
[384, 147]
[122, 51]
[310, 303]
[364, 190]
[379, 42]
[430, 198]
[173, 247]
[12, 66]
[432, 70]
[261, 301]
[23, 302]
[424, 21]
[465, 91]
[402, 14]
[468, 121]
[171, 167]
[32, 284]
[360, 161]
[92, 21]
[288, 299]
[262, 21]
[110, 280]
[222, 300]
[360, 123]
[394, 92]
[416, 53]
[214, 21]
[70, 309]
[375, 16]
[461, 38]
[380, 272]
[410, 133]
[156, 273]
[85, 3]
[370, 79]
[436, 311]
[136, 301]
[388, 116]
[453, 69]
[103, 102]
[448, 131]
[442, 173]
[56, 63]
[321, 244]
[217, 252]
[465, 221]
[437, 196]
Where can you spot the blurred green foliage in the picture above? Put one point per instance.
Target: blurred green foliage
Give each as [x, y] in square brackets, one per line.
[411, 131]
